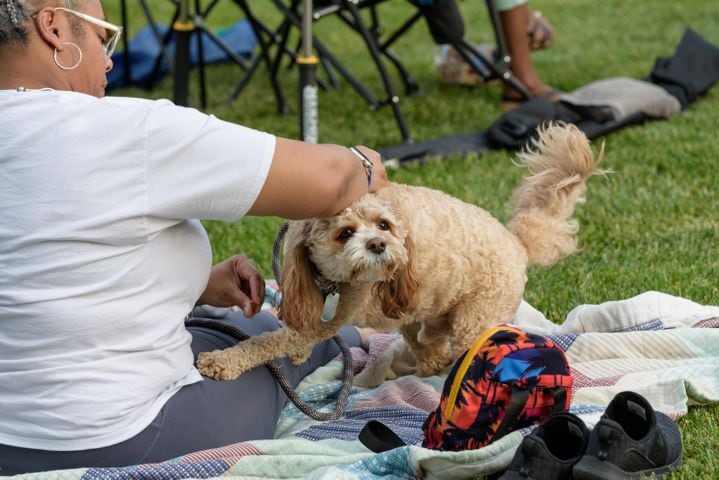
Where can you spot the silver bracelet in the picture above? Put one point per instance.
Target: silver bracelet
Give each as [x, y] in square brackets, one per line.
[367, 164]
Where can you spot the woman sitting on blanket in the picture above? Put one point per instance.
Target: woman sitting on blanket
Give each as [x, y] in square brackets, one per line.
[102, 256]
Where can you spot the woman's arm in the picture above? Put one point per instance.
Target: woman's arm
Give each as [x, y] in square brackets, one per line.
[308, 180]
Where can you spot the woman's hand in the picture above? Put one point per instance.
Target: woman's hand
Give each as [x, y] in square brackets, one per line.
[235, 282]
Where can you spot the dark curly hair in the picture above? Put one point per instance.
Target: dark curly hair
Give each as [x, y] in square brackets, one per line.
[14, 16]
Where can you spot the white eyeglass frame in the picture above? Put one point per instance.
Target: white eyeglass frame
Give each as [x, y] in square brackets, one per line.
[109, 43]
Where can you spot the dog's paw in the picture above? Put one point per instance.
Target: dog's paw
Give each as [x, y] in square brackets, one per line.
[429, 366]
[217, 365]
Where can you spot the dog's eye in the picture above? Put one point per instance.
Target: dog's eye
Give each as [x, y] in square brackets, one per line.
[382, 225]
[345, 234]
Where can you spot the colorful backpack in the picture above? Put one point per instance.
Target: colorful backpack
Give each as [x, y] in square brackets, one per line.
[508, 380]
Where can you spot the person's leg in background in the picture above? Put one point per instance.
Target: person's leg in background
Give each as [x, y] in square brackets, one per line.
[515, 17]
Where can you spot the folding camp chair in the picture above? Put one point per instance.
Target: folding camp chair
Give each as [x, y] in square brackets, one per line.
[445, 24]
[447, 27]
[162, 42]
[191, 20]
[267, 38]
[348, 11]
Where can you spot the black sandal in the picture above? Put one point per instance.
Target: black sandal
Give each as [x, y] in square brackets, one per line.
[510, 102]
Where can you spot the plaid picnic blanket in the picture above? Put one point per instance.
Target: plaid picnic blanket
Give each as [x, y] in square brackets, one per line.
[663, 347]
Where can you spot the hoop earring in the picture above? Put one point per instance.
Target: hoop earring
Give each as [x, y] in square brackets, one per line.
[54, 57]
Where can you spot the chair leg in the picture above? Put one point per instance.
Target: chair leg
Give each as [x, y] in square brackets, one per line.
[392, 98]
[163, 56]
[499, 38]
[334, 82]
[489, 68]
[260, 31]
[126, 73]
[501, 65]
[323, 51]
[410, 84]
[324, 62]
[200, 57]
[183, 29]
[161, 41]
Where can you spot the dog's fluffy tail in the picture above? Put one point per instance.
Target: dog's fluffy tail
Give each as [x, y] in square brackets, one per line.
[559, 163]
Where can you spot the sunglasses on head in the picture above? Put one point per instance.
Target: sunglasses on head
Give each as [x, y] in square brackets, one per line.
[112, 32]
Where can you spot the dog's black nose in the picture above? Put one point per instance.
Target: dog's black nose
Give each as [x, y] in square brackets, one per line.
[376, 245]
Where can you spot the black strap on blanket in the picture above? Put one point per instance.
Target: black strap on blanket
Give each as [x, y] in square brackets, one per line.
[276, 370]
[378, 437]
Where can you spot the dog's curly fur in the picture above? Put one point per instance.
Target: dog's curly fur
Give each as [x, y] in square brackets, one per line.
[439, 269]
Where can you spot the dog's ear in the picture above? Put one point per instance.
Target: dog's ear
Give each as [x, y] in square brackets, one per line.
[301, 299]
[399, 294]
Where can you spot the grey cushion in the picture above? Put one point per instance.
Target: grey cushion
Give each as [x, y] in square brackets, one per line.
[612, 99]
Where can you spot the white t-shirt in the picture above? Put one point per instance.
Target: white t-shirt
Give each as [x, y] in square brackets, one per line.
[101, 260]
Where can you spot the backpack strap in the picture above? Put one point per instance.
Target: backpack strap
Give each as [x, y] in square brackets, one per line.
[379, 438]
[276, 369]
[517, 402]
[560, 398]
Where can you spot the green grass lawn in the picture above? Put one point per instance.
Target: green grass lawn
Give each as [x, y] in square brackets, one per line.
[652, 225]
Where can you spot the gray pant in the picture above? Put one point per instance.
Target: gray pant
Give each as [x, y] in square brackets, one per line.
[203, 415]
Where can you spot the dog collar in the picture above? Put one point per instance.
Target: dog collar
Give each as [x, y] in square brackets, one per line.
[331, 297]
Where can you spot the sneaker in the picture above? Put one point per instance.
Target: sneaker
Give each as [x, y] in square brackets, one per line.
[630, 441]
[551, 450]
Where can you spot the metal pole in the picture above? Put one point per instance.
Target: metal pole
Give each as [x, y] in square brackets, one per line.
[307, 61]
[183, 28]
[126, 74]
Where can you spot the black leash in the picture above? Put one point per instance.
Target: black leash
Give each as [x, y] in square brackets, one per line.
[275, 367]
[277, 250]
[276, 370]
